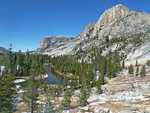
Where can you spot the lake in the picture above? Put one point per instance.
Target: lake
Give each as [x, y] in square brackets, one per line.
[51, 79]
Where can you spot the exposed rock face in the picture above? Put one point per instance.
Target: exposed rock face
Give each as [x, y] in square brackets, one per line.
[120, 20]
[116, 13]
[47, 44]
[3, 50]
[116, 22]
[141, 54]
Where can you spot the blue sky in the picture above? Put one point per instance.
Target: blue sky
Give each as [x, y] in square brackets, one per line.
[25, 22]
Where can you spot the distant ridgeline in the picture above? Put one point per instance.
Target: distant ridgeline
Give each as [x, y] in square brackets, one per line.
[3, 50]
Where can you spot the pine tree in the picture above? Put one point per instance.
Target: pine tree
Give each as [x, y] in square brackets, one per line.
[89, 77]
[102, 70]
[98, 85]
[109, 67]
[49, 107]
[6, 86]
[66, 100]
[73, 84]
[26, 71]
[148, 63]
[6, 93]
[40, 83]
[107, 41]
[136, 63]
[143, 71]
[10, 61]
[65, 82]
[123, 64]
[112, 70]
[130, 69]
[59, 88]
[84, 95]
[137, 70]
[20, 63]
[31, 96]
[45, 86]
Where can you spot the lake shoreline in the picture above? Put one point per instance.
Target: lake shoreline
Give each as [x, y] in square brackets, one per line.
[58, 73]
[22, 79]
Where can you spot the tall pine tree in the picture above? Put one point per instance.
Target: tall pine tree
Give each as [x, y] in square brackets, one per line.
[66, 100]
[6, 86]
[31, 96]
[143, 71]
[131, 69]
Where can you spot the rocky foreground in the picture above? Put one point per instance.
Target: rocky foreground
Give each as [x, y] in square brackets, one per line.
[123, 94]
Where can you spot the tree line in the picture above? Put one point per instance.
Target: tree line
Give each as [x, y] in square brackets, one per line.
[83, 77]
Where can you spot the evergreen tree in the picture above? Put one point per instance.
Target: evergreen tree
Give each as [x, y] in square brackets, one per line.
[109, 67]
[49, 107]
[26, 71]
[107, 41]
[59, 88]
[10, 61]
[99, 83]
[112, 70]
[65, 82]
[136, 63]
[123, 64]
[20, 63]
[143, 71]
[31, 96]
[102, 70]
[137, 70]
[73, 84]
[45, 87]
[6, 86]
[6, 93]
[130, 69]
[66, 100]
[40, 83]
[84, 95]
[148, 63]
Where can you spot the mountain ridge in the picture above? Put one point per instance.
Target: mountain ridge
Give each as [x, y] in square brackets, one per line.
[116, 22]
[3, 50]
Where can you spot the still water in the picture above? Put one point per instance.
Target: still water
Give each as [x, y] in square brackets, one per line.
[51, 79]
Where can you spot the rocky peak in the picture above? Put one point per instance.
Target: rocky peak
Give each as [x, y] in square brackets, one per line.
[114, 13]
